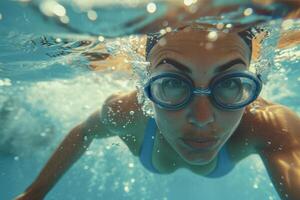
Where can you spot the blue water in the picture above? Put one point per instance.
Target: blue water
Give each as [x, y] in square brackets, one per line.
[47, 87]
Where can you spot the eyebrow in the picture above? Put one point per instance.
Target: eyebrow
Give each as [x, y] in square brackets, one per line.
[175, 64]
[229, 64]
[185, 69]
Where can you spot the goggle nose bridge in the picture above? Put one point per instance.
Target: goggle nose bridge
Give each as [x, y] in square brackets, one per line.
[202, 92]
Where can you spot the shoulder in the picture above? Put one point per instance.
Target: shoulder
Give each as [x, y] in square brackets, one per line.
[122, 112]
[123, 116]
[264, 126]
[272, 124]
[272, 115]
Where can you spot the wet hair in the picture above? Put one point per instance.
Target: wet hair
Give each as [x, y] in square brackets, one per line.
[153, 38]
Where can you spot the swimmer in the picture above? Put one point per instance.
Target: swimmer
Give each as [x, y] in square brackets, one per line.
[208, 115]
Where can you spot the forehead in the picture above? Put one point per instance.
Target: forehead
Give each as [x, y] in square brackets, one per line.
[200, 48]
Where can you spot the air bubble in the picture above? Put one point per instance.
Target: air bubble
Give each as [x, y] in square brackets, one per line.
[64, 19]
[168, 29]
[209, 46]
[101, 38]
[126, 188]
[287, 24]
[165, 23]
[162, 42]
[248, 11]
[162, 31]
[59, 10]
[212, 36]
[43, 134]
[228, 26]
[188, 2]
[58, 40]
[220, 26]
[284, 130]
[130, 165]
[286, 195]
[5, 82]
[92, 15]
[151, 7]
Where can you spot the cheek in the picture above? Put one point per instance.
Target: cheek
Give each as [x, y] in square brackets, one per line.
[168, 121]
[229, 121]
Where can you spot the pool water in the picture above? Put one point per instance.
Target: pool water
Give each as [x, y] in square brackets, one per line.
[47, 86]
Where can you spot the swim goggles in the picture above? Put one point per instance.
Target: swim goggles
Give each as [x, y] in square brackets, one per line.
[228, 91]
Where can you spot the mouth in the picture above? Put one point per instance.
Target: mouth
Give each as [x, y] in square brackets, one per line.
[199, 144]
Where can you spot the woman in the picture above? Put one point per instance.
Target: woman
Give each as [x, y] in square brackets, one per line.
[207, 115]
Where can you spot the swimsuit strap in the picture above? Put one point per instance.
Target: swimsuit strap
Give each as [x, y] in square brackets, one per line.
[224, 164]
[147, 146]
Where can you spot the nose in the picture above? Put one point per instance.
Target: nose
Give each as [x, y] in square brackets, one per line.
[201, 112]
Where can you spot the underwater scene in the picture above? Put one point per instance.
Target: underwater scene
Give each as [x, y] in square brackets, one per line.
[61, 59]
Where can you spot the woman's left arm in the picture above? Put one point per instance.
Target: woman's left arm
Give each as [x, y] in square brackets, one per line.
[281, 152]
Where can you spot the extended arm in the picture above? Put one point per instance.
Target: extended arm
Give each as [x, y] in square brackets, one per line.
[71, 148]
[284, 170]
[112, 119]
[281, 155]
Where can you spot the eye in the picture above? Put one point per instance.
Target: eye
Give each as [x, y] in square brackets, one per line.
[173, 83]
[231, 84]
[170, 90]
[229, 90]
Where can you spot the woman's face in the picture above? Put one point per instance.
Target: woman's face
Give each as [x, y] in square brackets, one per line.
[199, 130]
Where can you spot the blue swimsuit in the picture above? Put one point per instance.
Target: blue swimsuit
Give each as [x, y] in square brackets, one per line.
[223, 167]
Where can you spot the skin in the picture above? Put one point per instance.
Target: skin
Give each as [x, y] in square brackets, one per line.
[270, 130]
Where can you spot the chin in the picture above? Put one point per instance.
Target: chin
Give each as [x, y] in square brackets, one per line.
[196, 158]
[199, 161]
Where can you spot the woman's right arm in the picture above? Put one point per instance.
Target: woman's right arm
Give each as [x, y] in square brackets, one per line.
[71, 148]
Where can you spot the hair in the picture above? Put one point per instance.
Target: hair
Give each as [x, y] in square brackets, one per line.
[152, 38]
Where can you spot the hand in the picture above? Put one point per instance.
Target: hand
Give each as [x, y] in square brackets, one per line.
[28, 196]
